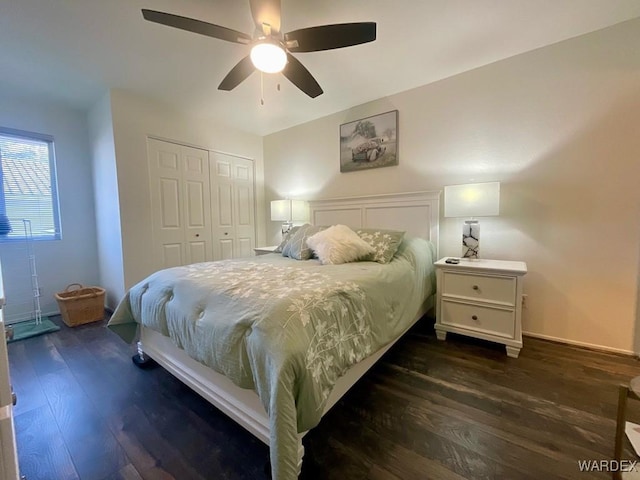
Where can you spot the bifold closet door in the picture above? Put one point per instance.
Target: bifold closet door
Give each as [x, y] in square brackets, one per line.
[232, 205]
[180, 202]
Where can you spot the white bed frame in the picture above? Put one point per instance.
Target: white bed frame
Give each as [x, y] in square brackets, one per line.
[416, 213]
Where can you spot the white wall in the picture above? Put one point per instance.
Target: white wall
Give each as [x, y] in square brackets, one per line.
[107, 212]
[559, 128]
[136, 118]
[74, 258]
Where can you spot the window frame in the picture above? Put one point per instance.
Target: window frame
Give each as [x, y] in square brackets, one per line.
[53, 180]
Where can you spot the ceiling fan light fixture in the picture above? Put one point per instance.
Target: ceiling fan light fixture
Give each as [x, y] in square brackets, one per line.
[268, 57]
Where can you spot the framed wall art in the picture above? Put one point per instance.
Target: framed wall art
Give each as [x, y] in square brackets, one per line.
[370, 142]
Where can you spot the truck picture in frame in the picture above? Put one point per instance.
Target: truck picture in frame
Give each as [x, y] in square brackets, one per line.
[370, 142]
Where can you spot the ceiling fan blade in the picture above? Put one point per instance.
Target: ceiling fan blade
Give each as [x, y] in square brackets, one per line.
[266, 11]
[328, 37]
[238, 74]
[300, 77]
[196, 26]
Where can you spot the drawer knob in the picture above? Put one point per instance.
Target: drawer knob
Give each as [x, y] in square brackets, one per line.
[474, 317]
[475, 287]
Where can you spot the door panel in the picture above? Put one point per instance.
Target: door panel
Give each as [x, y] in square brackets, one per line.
[245, 205]
[170, 203]
[226, 249]
[195, 205]
[225, 206]
[223, 169]
[194, 161]
[242, 171]
[197, 252]
[172, 255]
[245, 247]
[167, 159]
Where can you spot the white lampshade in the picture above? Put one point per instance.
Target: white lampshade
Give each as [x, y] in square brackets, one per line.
[299, 211]
[472, 200]
[280, 210]
[289, 211]
[268, 57]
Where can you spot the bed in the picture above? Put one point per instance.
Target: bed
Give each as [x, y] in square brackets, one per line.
[290, 337]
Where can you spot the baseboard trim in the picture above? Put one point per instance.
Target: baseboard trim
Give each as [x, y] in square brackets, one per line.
[590, 346]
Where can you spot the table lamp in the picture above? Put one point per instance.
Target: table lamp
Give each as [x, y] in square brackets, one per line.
[469, 201]
[288, 211]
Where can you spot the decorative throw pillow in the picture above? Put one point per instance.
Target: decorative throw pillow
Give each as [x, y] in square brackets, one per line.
[339, 244]
[285, 239]
[385, 243]
[297, 246]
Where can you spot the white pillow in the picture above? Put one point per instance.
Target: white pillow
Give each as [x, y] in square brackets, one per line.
[338, 244]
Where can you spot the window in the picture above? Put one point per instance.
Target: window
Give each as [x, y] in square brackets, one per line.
[28, 188]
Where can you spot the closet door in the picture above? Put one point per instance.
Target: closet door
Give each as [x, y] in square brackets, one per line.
[233, 207]
[180, 202]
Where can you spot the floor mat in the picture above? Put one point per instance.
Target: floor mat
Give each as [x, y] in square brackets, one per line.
[29, 328]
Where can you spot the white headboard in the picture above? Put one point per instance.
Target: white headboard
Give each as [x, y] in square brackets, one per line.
[416, 213]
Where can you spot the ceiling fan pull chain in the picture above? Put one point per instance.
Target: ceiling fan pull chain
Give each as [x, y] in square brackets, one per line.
[261, 88]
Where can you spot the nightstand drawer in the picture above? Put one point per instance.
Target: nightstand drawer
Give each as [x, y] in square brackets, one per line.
[494, 321]
[480, 288]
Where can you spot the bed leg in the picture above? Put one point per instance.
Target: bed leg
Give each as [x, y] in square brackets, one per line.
[141, 359]
[300, 455]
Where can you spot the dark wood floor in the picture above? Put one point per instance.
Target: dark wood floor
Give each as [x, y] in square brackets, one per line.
[443, 410]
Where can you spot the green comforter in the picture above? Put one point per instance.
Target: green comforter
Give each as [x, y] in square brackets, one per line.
[287, 329]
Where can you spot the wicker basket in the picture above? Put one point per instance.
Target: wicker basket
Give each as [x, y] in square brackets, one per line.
[80, 305]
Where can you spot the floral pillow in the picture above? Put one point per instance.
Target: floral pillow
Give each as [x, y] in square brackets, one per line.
[385, 243]
[297, 246]
[339, 244]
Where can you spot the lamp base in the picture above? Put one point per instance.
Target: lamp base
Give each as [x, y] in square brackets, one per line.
[470, 239]
[286, 227]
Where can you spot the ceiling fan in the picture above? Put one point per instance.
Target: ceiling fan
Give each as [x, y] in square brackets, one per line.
[271, 49]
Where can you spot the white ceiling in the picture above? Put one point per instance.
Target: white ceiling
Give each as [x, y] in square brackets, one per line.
[75, 50]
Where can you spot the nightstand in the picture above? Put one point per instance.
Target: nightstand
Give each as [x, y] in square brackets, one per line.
[264, 250]
[482, 299]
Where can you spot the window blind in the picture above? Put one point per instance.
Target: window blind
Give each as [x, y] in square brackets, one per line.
[28, 195]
